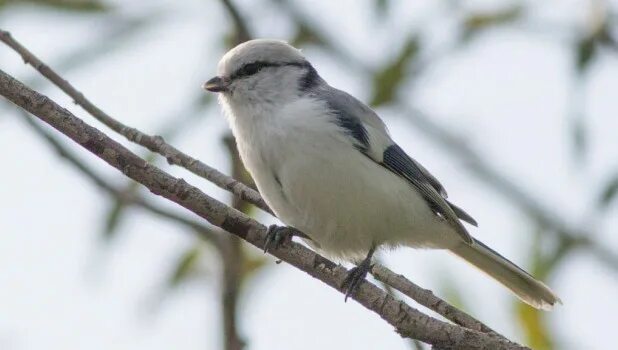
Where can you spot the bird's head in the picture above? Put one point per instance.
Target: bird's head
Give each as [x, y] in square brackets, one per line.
[262, 71]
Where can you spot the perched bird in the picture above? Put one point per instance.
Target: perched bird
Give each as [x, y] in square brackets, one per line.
[326, 165]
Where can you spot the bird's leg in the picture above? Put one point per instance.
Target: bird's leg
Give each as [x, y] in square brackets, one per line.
[278, 235]
[357, 274]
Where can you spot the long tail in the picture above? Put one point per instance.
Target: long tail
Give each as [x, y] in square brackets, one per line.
[527, 288]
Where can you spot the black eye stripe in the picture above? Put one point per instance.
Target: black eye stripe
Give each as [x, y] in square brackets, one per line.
[254, 67]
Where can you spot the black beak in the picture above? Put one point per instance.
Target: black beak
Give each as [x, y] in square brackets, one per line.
[216, 84]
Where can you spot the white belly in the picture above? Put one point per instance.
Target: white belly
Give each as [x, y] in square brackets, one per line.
[347, 213]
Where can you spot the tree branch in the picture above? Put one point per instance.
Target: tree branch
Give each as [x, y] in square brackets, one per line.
[399, 282]
[426, 298]
[409, 322]
[153, 143]
[132, 199]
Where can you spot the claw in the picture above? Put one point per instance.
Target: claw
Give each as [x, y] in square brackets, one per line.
[276, 236]
[354, 278]
[356, 275]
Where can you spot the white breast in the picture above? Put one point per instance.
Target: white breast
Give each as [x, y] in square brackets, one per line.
[314, 180]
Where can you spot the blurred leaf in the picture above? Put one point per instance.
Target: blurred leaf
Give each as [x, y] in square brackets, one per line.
[532, 320]
[252, 264]
[305, 35]
[579, 137]
[586, 47]
[112, 219]
[474, 23]
[610, 190]
[387, 80]
[186, 266]
[66, 5]
[585, 50]
[535, 329]
[451, 292]
[116, 212]
[543, 263]
[381, 7]
[203, 100]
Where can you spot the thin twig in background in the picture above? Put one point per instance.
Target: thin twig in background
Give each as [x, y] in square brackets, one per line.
[240, 26]
[128, 198]
[233, 261]
[383, 274]
[409, 322]
[457, 147]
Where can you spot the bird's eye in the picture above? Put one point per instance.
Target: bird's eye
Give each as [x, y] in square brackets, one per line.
[250, 69]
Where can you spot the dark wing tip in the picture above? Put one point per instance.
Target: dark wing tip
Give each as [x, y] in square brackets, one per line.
[465, 235]
[462, 214]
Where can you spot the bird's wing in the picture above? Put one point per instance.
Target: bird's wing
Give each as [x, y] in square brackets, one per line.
[370, 136]
[396, 160]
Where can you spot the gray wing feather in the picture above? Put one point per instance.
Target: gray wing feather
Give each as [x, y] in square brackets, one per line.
[462, 214]
[344, 103]
[396, 160]
[356, 118]
[430, 178]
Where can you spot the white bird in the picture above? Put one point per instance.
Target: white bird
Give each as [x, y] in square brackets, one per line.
[326, 165]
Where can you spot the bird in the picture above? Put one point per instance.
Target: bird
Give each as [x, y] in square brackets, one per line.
[328, 168]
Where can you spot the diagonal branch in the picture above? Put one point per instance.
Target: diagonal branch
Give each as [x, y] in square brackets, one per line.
[153, 143]
[133, 199]
[399, 282]
[408, 321]
[426, 298]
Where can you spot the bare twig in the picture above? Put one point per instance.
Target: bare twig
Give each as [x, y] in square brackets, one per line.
[153, 143]
[408, 321]
[238, 188]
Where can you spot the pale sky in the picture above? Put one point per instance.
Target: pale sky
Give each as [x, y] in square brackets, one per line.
[61, 287]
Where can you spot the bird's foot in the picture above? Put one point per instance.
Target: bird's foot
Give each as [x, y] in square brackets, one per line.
[354, 278]
[276, 236]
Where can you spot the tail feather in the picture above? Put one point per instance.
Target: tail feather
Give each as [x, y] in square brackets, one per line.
[528, 289]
